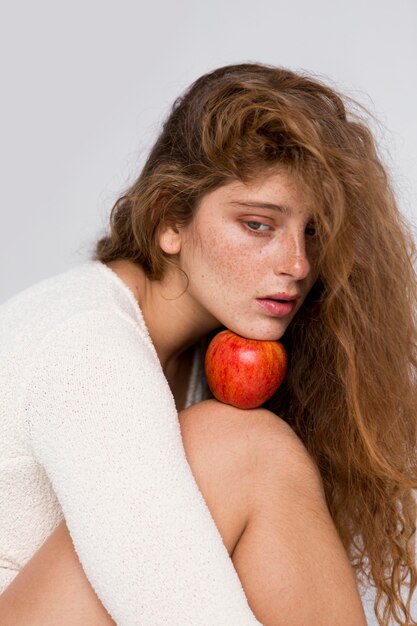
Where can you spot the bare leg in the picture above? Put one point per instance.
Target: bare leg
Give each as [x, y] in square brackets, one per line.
[288, 555]
[266, 500]
[290, 559]
[52, 589]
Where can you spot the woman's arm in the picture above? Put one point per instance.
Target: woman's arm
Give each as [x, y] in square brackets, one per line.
[103, 424]
[267, 500]
[53, 589]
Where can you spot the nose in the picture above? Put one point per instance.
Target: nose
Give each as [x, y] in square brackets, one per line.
[292, 258]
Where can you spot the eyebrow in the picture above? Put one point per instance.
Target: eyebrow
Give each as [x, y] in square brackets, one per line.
[281, 208]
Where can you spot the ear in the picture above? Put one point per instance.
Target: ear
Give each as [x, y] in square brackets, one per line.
[170, 240]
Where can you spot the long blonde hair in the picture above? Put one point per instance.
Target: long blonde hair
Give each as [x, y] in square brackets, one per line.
[351, 389]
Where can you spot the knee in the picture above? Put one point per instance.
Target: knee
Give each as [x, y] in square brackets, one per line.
[213, 410]
[263, 427]
[211, 417]
[212, 428]
[221, 434]
[259, 440]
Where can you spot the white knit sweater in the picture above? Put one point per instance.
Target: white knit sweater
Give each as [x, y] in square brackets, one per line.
[90, 433]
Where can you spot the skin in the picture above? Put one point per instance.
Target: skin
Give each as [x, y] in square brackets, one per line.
[262, 488]
[266, 497]
[229, 266]
[52, 587]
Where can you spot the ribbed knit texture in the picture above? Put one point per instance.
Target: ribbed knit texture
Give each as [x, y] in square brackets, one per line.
[90, 433]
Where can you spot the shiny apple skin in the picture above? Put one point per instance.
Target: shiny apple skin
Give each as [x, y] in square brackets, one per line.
[244, 372]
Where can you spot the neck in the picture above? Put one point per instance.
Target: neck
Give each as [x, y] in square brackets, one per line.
[174, 320]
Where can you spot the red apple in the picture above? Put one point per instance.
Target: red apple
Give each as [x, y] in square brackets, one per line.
[244, 372]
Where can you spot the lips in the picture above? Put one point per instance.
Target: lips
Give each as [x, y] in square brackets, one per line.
[282, 297]
[279, 309]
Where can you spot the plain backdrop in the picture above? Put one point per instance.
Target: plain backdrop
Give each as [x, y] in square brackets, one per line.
[86, 86]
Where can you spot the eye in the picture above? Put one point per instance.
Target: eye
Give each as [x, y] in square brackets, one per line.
[255, 230]
[311, 231]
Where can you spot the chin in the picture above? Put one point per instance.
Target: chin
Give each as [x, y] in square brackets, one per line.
[271, 334]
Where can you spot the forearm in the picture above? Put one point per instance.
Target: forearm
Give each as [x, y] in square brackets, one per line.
[104, 427]
[53, 589]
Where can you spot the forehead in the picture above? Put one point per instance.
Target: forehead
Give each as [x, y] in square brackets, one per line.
[277, 192]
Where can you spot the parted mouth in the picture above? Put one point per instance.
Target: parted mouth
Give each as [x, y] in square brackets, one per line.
[281, 297]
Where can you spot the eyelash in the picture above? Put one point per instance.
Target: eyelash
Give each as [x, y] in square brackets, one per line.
[254, 232]
[259, 232]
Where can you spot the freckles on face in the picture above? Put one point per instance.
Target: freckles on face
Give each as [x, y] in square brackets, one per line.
[224, 264]
[227, 254]
[227, 270]
[231, 266]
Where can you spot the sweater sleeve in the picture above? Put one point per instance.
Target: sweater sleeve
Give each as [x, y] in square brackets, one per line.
[102, 422]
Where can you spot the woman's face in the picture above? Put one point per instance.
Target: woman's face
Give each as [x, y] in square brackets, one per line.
[242, 251]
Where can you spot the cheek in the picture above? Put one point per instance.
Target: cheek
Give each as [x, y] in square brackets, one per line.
[225, 257]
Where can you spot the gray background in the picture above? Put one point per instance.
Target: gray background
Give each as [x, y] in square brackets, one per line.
[86, 85]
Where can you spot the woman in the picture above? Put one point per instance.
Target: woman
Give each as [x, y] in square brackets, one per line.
[260, 183]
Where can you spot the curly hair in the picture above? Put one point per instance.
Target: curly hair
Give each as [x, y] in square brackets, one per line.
[350, 392]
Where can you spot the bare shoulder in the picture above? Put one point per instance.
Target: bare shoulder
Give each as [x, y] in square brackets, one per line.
[236, 456]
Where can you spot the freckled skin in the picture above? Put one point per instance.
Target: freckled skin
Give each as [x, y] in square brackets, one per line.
[228, 266]
[232, 267]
